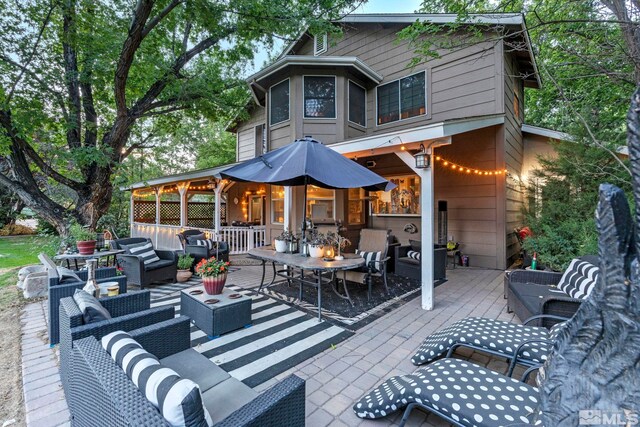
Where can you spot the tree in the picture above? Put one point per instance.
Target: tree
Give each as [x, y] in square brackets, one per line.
[83, 84]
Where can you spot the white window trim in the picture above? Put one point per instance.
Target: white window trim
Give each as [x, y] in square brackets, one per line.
[270, 102]
[426, 110]
[325, 40]
[324, 198]
[349, 103]
[274, 199]
[335, 97]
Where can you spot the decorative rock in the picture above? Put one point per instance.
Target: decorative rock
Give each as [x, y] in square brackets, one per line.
[35, 285]
[26, 271]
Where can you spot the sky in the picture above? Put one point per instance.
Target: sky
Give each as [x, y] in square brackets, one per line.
[372, 6]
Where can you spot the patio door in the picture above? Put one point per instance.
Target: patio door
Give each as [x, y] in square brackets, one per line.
[256, 210]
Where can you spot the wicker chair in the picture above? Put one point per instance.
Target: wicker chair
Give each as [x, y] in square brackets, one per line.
[128, 311]
[58, 290]
[220, 250]
[143, 275]
[370, 241]
[115, 401]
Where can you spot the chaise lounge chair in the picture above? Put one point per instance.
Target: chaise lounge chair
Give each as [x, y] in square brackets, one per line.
[521, 344]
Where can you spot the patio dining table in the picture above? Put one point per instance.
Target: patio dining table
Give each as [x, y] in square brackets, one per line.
[296, 260]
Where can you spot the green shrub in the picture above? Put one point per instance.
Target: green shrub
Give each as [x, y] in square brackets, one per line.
[185, 261]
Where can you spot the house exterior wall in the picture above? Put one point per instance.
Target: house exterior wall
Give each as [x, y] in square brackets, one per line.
[246, 138]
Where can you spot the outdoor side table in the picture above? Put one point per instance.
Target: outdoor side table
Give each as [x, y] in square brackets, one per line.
[216, 319]
[75, 257]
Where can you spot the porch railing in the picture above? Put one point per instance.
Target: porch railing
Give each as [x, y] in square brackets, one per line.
[240, 239]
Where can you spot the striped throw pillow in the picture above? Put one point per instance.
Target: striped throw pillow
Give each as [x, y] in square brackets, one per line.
[145, 252]
[90, 307]
[178, 399]
[209, 243]
[579, 279]
[371, 259]
[414, 255]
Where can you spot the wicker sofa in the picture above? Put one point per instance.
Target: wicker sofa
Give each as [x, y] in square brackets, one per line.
[143, 275]
[534, 292]
[59, 290]
[410, 267]
[128, 312]
[116, 401]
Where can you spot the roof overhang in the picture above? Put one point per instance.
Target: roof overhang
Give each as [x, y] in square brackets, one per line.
[431, 132]
[257, 80]
[549, 133]
[213, 173]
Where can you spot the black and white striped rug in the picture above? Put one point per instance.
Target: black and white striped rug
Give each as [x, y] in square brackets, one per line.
[280, 337]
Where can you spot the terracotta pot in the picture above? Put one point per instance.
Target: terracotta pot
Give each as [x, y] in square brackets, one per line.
[183, 275]
[214, 285]
[86, 247]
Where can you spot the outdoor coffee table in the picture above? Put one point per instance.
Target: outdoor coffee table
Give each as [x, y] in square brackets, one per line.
[226, 315]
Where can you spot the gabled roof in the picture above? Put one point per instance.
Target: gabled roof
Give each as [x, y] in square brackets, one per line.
[186, 176]
[526, 59]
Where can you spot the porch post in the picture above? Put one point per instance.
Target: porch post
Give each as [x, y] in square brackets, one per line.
[132, 217]
[218, 194]
[288, 204]
[158, 191]
[426, 226]
[183, 189]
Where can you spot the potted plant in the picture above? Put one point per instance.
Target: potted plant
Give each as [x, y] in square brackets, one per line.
[284, 240]
[85, 239]
[316, 244]
[213, 273]
[185, 261]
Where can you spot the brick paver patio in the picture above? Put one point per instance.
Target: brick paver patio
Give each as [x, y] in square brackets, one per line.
[335, 378]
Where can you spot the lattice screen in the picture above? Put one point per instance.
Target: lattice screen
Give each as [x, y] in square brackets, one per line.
[170, 213]
[223, 212]
[144, 211]
[200, 214]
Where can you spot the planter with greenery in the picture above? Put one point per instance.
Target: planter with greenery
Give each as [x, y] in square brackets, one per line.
[185, 261]
[213, 273]
[316, 244]
[85, 239]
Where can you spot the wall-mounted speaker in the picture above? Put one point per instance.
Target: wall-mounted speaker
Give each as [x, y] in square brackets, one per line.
[371, 164]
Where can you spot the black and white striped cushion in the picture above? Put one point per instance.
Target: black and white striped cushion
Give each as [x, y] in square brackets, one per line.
[579, 279]
[178, 399]
[145, 252]
[92, 310]
[209, 243]
[414, 255]
[370, 257]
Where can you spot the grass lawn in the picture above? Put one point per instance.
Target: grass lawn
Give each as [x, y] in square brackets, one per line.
[18, 251]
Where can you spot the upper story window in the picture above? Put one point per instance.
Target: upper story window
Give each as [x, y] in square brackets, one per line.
[402, 99]
[320, 97]
[279, 102]
[319, 44]
[357, 104]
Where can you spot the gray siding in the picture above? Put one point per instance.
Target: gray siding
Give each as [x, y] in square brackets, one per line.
[246, 134]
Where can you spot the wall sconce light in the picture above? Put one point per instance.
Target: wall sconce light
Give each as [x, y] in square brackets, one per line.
[422, 159]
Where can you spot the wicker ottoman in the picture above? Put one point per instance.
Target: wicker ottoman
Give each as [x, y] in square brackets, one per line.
[226, 315]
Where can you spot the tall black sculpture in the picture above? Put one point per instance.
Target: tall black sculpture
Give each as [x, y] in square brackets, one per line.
[593, 374]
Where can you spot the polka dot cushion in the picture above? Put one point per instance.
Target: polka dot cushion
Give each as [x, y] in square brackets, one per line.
[468, 393]
[489, 334]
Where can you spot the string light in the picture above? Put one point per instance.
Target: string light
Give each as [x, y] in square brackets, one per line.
[469, 170]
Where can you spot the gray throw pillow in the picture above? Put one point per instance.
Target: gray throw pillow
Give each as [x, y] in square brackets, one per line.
[92, 310]
[67, 276]
[194, 238]
[416, 245]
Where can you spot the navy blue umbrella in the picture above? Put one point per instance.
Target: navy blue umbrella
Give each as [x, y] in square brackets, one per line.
[304, 162]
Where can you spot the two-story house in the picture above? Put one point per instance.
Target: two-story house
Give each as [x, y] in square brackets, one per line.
[356, 93]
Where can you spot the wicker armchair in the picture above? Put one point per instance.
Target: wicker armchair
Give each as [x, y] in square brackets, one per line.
[532, 292]
[58, 290]
[370, 241]
[128, 311]
[220, 250]
[143, 275]
[115, 400]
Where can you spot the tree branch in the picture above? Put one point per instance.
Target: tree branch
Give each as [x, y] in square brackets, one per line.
[160, 16]
[129, 48]
[71, 72]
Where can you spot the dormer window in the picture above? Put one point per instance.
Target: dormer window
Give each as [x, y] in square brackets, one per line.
[319, 44]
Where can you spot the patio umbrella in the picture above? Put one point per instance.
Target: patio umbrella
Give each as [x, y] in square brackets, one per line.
[304, 162]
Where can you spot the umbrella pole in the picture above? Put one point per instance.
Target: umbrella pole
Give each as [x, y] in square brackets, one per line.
[304, 218]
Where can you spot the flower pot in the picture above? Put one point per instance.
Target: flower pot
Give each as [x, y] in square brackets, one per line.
[316, 251]
[281, 245]
[86, 247]
[183, 275]
[214, 285]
